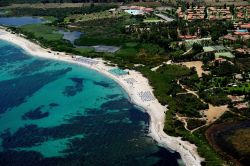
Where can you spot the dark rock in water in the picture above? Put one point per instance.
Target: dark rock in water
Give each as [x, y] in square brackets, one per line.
[13, 92]
[116, 104]
[53, 105]
[73, 90]
[113, 96]
[33, 67]
[13, 56]
[103, 84]
[77, 80]
[35, 114]
[94, 111]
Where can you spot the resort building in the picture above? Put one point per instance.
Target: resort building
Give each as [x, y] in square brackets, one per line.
[137, 10]
[243, 51]
[219, 60]
[245, 26]
[235, 99]
[229, 39]
[242, 34]
[242, 106]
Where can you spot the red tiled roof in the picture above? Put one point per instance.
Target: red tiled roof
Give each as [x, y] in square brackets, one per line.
[188, 37]
[241, 33]
[247, 26]
[230, 37]
[148, 9]
[243, 50]
[246, 37]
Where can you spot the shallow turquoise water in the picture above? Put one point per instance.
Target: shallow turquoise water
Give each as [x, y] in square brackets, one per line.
[55, 113]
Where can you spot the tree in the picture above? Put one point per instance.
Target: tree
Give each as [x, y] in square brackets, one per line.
[197, 47]
[4, 3]
[187, 5]
[215, 36]
[205, 11]
[232, 9]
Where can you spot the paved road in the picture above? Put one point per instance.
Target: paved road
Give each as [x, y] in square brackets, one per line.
[164, 17]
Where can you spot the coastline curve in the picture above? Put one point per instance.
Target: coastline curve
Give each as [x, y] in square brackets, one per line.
[155, 110]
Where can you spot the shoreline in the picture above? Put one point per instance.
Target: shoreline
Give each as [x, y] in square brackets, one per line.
[156, 111]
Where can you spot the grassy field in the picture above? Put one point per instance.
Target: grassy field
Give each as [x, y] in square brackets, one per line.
[43, 31]
[92, 16]
[242, 88]
[152, 19]
[86, 50]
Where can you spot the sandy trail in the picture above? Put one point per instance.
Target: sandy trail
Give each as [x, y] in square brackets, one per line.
[196, 64]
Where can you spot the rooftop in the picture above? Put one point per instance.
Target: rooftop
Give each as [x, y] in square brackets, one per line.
[230, 37]
[214, 48]
[224, 54]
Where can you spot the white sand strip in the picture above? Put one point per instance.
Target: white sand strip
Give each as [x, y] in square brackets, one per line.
[187, 150]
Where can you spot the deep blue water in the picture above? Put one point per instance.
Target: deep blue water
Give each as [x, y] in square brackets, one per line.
[58, 114]
[19, 21]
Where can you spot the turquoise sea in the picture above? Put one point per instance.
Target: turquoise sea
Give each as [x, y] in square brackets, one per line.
[58, 114]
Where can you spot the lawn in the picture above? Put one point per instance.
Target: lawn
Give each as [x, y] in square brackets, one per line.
[45, 32]
[85, 50]
[239, 89]
[152, 19]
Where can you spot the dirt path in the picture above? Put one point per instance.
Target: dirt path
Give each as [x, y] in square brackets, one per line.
[213, 112]
[196, 64]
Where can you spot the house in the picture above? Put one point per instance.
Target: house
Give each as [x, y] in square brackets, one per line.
[245, 26]
[241, 32]
[219, 60]
[244, 51]
[229, 38]
[241, 106]
[186, 37]
[236, 98]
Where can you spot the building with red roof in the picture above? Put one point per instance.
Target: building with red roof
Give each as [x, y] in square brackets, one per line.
[245, 26]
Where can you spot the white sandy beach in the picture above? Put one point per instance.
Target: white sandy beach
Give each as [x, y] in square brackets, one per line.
[156, 111]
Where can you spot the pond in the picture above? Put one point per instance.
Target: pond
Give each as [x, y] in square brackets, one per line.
[70, 35]
[20, 21]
